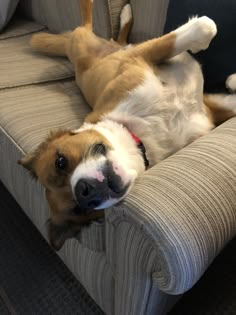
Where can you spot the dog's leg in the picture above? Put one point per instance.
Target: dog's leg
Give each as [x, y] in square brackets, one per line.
[195, 35]
[50, 44]
[125, 24]
[86, 8]
[222, 106]
[231, 83]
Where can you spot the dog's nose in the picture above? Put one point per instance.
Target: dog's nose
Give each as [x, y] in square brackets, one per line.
[87, 193]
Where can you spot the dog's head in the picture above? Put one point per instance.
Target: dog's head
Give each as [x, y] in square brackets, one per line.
[83, 171]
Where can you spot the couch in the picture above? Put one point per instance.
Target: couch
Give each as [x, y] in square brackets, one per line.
[155, 245]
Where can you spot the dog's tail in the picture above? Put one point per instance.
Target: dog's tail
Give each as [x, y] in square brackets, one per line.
[50, 44]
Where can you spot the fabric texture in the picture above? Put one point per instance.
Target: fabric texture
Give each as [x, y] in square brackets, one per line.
[54, 14]
[218, 61]
[115, 8]
[20, 26]
[149, 19]
[7, 8]
[26, 67]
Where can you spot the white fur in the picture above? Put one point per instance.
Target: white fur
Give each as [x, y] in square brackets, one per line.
[165, 111]
[195, 35]
[126, 15]
[224, 101]
[231, 82]
[125, 158]
[166, 117]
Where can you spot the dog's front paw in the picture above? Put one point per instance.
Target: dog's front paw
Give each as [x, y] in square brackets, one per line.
[231, 83]
[203, 31]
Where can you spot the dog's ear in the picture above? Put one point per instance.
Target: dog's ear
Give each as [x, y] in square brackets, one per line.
[59, 233]
[28, 162]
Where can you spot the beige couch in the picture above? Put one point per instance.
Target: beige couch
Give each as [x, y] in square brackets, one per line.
[155, 245]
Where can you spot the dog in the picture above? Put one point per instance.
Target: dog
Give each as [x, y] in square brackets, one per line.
[147, 102]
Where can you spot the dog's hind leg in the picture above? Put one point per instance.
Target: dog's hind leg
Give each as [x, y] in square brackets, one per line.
[126, 20]
[221, 107]
[50, 44]
[195, 35]
[86, 9]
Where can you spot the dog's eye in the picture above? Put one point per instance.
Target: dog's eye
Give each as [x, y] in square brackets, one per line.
[61, 162]
[99, 148]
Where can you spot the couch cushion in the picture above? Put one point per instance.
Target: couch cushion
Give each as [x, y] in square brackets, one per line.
[19, 26]
[28, 113]
[115, 8]
[7, 8]
[63, 15]
[20, 65]
[149, 19]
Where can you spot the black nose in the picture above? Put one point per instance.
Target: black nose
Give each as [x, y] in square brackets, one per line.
[88, 193]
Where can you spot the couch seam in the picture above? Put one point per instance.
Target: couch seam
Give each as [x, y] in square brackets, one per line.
[25, 34]
[36, 83]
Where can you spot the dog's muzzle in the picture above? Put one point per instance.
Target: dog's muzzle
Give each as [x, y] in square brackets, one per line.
[91, 193]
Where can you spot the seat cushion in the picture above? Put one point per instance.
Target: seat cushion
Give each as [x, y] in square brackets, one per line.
[28, 113]
[149, 19]
[21, 66]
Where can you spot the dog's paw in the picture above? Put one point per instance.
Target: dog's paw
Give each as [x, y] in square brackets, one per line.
[231, 83]
[126, 15]
[203, 31]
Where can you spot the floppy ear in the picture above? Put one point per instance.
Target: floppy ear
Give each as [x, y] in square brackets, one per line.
[28, 162]
[59, 233]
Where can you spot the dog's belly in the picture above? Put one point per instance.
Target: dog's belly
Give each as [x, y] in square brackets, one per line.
[169, 106]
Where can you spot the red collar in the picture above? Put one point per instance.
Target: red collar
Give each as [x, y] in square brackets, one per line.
[141, 147]
[136, 139]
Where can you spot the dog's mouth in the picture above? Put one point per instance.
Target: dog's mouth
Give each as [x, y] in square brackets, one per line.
[96, 194]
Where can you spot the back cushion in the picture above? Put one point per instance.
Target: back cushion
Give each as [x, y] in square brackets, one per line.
[7, 8]
[64, 15]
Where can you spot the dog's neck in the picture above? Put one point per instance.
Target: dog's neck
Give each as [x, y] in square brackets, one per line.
[141, 147]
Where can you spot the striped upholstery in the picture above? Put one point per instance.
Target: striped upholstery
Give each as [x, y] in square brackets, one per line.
[54, 14]
[7, 8]
[149, 19]
[19, 26]
[27, 67]
[174, 222]
[115, 8]
[39, 109]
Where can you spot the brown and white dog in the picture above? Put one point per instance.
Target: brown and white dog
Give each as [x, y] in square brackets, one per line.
[152, 91]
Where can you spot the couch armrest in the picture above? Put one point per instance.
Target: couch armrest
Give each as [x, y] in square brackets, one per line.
[185, 208]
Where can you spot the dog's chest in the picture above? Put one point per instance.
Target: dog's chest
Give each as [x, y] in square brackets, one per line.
[169, 102]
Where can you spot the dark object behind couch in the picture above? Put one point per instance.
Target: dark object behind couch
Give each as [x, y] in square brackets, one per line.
[218, 61]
